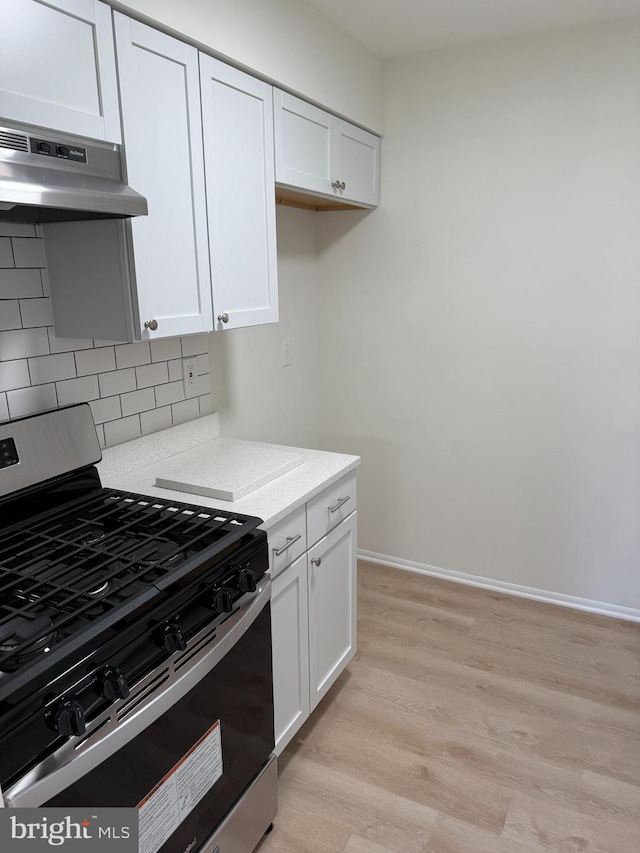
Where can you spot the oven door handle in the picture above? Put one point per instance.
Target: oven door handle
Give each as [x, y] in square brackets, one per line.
[79, 755]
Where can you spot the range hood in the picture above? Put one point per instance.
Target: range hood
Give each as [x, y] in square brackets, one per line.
[46, 177]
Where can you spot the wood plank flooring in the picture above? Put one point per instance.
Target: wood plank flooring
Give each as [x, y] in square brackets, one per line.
[469, 722]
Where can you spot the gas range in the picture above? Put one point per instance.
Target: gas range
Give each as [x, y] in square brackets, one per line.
[101, 591]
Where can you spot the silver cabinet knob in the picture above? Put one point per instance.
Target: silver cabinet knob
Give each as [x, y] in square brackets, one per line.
[151, 324]
[339, 185]
[316, 562]
[223, 318]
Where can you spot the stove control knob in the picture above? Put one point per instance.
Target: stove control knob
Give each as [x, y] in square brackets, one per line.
[246, 580]
[112, 684]
[172, 639]
[68, 718]
[222, 601]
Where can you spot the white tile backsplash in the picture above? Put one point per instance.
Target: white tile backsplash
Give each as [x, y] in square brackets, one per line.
[67, 344]
[6, 255]
[152, 374]
[13, 374]
[28, 253]
[10, 315]
[132, 389]
[130, 355]
[171, 393]
[23, 343]
[125, 429]
[187, 410]
[28, 401]
[20, 284]
[16, 229]
[36, 312]
[95, 361]
[118, 382]
[138, 401]
[195, 345]
[77, 390]
[156, 419]
[175, 370]
[166, 349]
[52, 368]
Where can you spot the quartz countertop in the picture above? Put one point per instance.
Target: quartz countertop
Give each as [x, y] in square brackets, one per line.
[135, 465]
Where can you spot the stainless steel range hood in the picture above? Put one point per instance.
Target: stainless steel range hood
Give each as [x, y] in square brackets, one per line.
[46, 177]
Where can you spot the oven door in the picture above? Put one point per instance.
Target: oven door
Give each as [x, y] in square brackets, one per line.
[201, 731]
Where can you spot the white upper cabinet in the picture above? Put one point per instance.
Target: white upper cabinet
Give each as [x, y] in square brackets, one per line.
[356, 162]
[321, 154]
[303, 144]
[162, 129]
[57, 67]
[237, 113]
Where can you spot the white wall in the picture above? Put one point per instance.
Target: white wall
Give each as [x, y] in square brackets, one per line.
[288, 41]
[256, 397]
[481, 330]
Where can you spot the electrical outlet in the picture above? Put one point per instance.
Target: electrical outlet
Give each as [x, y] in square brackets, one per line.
[190, 377]
[286, 352]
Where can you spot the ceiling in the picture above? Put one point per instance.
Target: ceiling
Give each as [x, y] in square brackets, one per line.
[399, 27]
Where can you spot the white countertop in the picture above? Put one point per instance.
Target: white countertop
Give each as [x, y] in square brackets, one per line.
[135, 465]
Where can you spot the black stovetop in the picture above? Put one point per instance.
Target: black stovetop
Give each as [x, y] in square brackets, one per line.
[71, 571]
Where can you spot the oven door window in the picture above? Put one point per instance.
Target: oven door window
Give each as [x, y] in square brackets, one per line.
[238, 692]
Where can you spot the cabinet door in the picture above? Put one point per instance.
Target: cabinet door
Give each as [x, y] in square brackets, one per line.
[332, 607]
[289, 637]
[303, 144]
[57, 67]
[162, 129]
[237, 112]
[356, 163]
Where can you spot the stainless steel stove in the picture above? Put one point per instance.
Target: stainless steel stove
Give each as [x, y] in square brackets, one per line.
[134, 631]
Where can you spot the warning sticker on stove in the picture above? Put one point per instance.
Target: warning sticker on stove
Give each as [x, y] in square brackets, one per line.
[167, 805]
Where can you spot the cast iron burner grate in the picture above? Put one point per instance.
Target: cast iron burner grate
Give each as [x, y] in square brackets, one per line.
[88, 560]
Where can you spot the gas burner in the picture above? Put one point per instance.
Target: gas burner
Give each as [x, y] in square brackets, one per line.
[160, 552]
[17, 632]
[92, 536]
[99, 591]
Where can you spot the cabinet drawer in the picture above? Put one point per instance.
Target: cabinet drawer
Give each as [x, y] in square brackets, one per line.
[330, 507]
[287, 541]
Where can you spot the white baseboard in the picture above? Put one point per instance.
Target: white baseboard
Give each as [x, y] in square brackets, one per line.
[573, 601]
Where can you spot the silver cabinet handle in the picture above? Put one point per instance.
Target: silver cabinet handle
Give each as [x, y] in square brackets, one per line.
[223, 318]
[290, 541]
[151, 324]
[341, 502]
[339, 185]
[316, 561]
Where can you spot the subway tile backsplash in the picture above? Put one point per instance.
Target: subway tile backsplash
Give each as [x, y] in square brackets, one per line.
[133, 389]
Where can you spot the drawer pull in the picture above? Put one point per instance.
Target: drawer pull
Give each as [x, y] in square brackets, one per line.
[290, 542]
[316, 561]
[341, 502]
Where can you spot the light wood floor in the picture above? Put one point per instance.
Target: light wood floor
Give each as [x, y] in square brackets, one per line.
[469, 722]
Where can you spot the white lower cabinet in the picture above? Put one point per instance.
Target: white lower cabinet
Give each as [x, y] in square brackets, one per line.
[290, 641]
[332, 607]
[313, 612]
